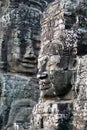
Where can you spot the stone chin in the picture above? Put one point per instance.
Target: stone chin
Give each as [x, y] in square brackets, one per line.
[58, 84]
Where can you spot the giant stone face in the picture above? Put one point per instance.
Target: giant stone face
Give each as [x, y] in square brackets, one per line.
[57, 66]
[58, 56]
[21, 37]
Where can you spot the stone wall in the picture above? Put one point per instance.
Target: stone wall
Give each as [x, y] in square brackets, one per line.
[62, 68]
[62, 64]
[19, 47]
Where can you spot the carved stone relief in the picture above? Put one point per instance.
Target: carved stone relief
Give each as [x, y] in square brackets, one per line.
[62, 68]
[19, 48]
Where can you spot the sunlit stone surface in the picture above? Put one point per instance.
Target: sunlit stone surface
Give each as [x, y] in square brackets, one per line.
[62, 67]
[19, 47]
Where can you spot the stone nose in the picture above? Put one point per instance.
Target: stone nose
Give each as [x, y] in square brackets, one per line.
[30, 55]
[42, 75]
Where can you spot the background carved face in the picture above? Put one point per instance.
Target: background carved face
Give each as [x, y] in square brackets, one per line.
[21, 38]
[56, 69]
[23, 59]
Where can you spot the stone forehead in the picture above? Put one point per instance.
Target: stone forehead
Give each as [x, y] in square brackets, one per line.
[52, 48]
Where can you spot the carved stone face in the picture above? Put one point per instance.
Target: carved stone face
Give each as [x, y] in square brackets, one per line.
[56, 68]
[20, 42]
[24, 61]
